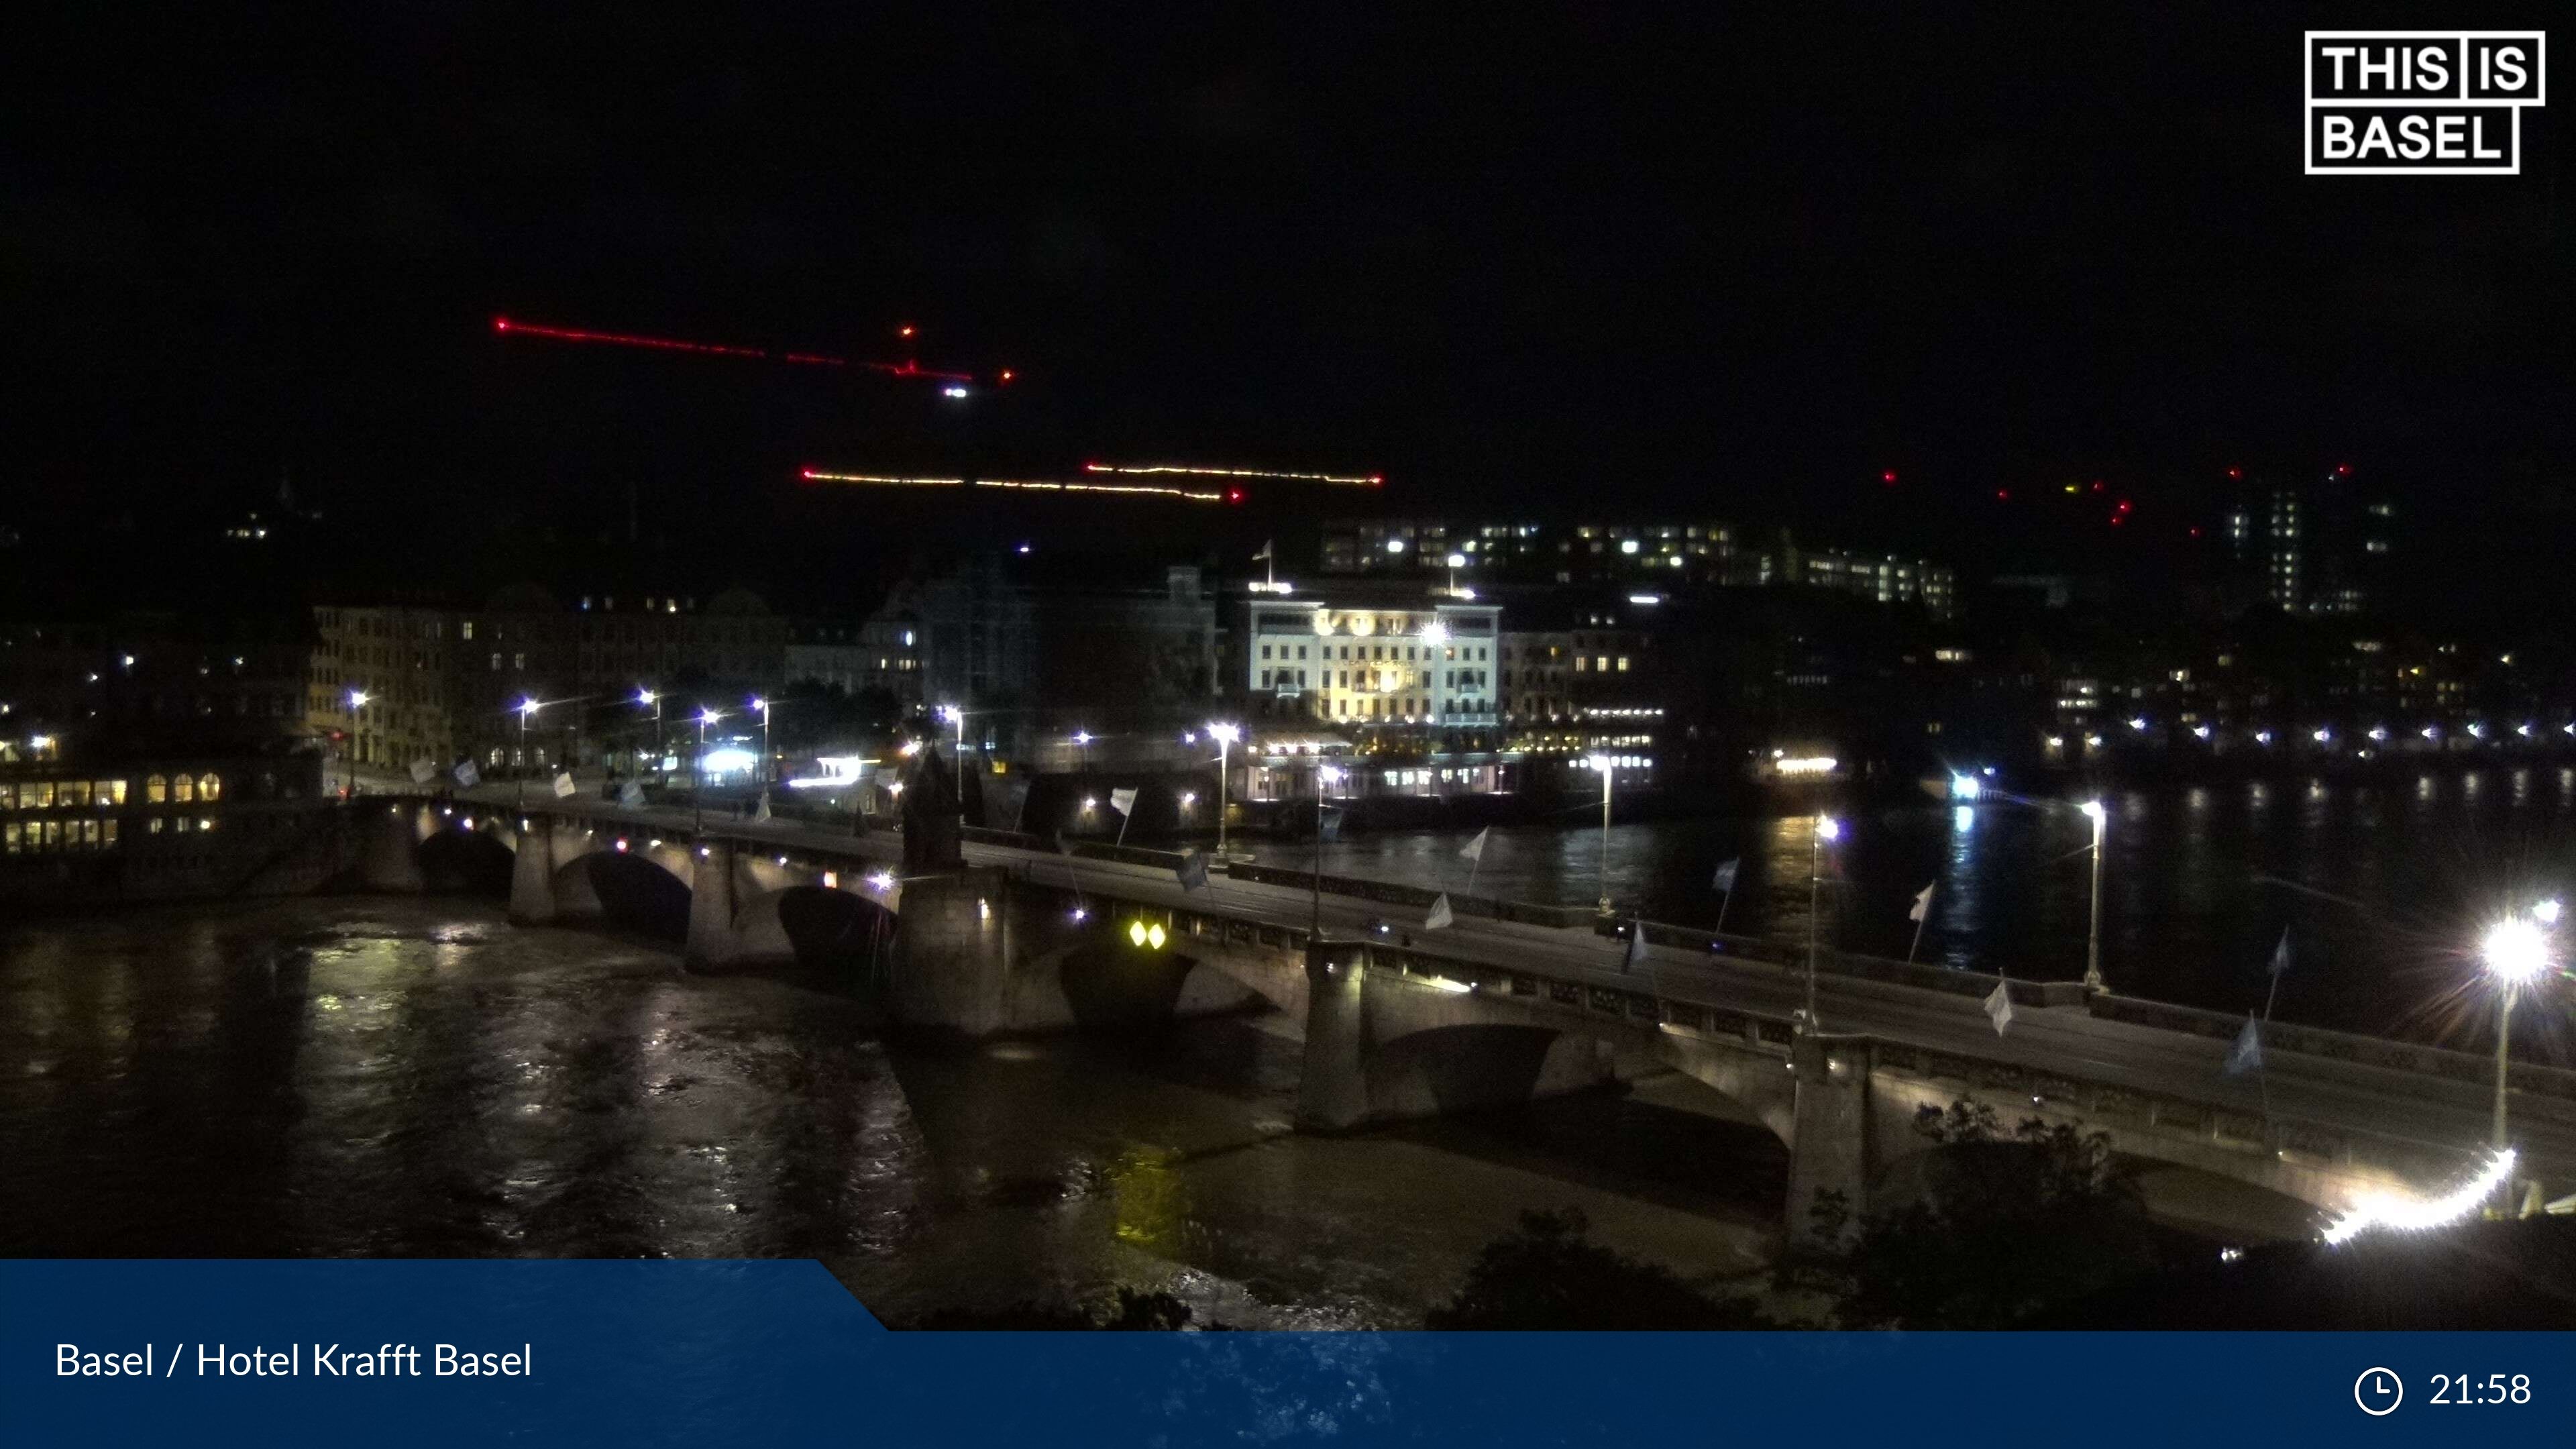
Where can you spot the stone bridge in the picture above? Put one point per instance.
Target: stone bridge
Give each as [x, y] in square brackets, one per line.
[1031, 942]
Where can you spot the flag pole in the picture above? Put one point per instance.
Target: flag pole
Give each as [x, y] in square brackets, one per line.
[1725, 898]
[1919, 923]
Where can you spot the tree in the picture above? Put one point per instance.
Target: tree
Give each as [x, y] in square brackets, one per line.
[1548, 1275]
[2005, 1227]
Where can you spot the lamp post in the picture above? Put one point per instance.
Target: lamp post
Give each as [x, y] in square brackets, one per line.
[698, 770]
[956, 714]
[1315, 914]
[2100, 817]
[647, 696]
[527, 712]
[1827, 829]
[1604, 765]
[762, 705]
[357, 701]
[1226, 735]
[2515, 952]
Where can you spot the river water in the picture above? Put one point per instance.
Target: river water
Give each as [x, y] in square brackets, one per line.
[2420, 863]
[415, 1077]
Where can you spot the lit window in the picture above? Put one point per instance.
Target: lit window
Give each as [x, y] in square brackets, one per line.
[210, 787]
[155, 790]
[182, 789]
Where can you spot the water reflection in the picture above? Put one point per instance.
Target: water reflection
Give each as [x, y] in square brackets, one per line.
[412, 1078]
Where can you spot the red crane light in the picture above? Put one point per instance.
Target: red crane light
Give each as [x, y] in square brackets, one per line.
[2235, 472]
[2343, 470]
[1888, 477]
[2003, 495]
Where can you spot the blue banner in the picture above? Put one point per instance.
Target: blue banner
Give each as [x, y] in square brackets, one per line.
[395, 1353]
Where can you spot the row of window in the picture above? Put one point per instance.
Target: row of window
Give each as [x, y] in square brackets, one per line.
[106, 794]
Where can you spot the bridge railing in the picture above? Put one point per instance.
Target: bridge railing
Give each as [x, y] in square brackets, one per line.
[1394, 893]
[2465, 1067]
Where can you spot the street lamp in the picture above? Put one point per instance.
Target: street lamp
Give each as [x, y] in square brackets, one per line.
[357, 701]
[1603, 763]
[956, 714]
[1828, 829]
[698, 768]
[2100, 817]
[763, 706]
[2515, 951]
[527, 712]
[1226, 735]
[1315, 919]
[646, 696]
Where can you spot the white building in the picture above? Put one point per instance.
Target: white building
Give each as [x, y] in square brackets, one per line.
[1426, 662]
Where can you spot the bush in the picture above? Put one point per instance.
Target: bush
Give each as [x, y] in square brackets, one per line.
[1548, 1275]
[2007, 1227]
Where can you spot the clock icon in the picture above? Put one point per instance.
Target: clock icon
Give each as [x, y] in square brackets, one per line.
[2378, 1392]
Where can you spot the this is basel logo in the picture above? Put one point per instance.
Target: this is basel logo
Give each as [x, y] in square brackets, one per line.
[2421, 102]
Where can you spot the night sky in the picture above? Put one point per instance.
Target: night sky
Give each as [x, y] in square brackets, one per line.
[1735, 262]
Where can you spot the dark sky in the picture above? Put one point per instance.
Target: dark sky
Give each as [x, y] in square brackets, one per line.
[1729, 259]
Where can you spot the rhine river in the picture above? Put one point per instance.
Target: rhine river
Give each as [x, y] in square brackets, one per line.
[2420, 863]
[416, 1078]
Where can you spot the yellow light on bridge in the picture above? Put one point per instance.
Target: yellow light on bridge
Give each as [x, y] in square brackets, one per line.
[1146, 934]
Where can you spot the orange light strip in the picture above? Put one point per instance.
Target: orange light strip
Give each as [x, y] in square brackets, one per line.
[1033, 485]
[1372, 480]
[815, 475]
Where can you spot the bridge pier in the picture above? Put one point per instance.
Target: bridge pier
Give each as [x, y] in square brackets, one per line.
[712, 939]
[1332, 1088]
[532, 874]
[1829, 1142]
[389, 849]
[952, 955]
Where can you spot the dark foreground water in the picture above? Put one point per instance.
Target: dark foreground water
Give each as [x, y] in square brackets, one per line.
[2423, 862]
[417, 1078]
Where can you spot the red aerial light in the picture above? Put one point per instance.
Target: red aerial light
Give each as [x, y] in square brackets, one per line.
[2003, 495]
[2342, 469]
[904, 331]
[1887, 477]
[2235, 472]
[1377, 480]
[2097, 485]
[1234, 495]
[2115, 520]
[500, 324]
[1007, 374]
[2195, 530]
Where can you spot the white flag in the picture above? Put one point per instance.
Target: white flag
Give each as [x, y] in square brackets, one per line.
[1922, 904]
[1439, 916]
[564, 786]
[1724, 880]
[1122, 801]
[1999, 1006]
[631, 796]
[1265, 552]
[467, 777]
[2248, 1055]
[424, 770]
[761, 813]
[1475, 849]
[1636, 944]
